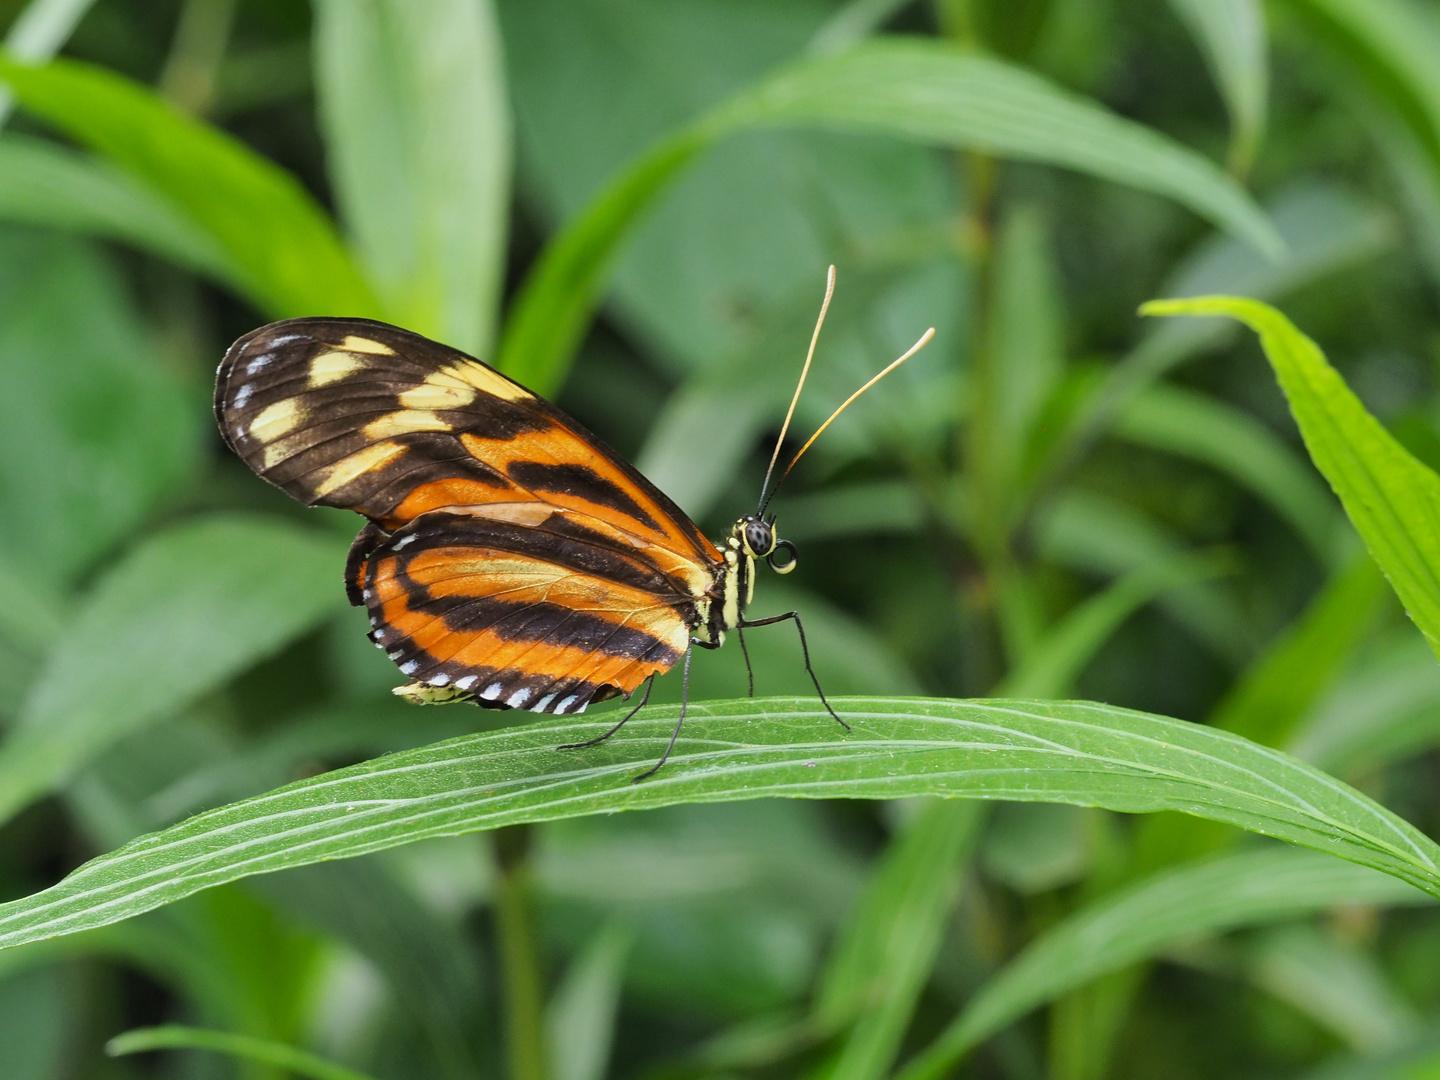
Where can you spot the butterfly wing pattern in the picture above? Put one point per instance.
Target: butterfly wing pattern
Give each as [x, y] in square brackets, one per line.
[510, 557]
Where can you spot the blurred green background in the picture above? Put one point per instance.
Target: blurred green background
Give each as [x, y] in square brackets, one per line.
[1053, 500]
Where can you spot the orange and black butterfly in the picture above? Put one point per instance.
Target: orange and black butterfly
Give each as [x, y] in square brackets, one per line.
[510, 558]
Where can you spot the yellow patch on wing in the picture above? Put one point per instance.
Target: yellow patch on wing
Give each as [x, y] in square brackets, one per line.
[529, 513]
[331, 367]
[356, 465]
[440, 390]
[276, 420]
[356, 343]
[404, 422]
[491, 382]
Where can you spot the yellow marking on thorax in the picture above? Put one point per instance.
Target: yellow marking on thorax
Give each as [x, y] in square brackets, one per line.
[357, 465]
[331, 367]
[403, 422]
[277, 420]
[355, 343]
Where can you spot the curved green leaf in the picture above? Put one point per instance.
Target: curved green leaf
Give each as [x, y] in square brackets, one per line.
[45, 184]
[284, 247]
[1231, 34]
[183, 613]
[1391, 497]
[1167, 909]
[1207, 430]
[1076, 752]
[421, 88]
[246, 1047]
[911, 89]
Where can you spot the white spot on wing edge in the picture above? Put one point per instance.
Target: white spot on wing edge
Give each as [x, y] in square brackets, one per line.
[439, 679]
[242, 396]
[410, 667]
[402, 542]
[465, 683]
[493, 691]
[539, 706]
[565, 704]
[261, 362]
[518, 698]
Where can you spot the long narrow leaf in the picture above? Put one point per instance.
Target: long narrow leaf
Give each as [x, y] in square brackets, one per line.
[276, 235]
[419, 85]
[1075, 752]
[185, 612]
[911, 89]
[1203, 429]
[1231, 34]
[245, 1047]
[1178, 906]
[1392, 498]
[45, 184]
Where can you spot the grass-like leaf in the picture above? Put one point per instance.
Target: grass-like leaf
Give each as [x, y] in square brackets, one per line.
[182, 614]
[1231, 34]
[422, 89]
[1392, 498]
[1075, 752]
[281, 242]
[246, 1047]
[1165, 910]
[918, 90]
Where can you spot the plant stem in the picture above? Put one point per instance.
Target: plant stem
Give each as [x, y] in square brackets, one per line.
[519, 965]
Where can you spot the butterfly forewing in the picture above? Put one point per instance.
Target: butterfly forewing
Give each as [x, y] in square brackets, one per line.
[511, 554]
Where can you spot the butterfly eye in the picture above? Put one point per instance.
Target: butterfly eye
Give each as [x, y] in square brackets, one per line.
[759, 538]
[789, 563]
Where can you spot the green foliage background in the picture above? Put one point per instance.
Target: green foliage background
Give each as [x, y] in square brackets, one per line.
[1114, 604]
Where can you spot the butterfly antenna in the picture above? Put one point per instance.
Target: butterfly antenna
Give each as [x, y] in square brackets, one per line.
[924, 340]
[814, 338]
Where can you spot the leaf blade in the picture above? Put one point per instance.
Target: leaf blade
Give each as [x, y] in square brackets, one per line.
[1031, 751]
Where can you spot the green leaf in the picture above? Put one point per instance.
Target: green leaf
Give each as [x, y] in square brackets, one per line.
[1167, 909]
[1392, 43]
[187, 610]
[42, 183]
[886, 950]
[412, 100]
[580, 1019]
[1076, 752]
[1391, 498]
[95, 431]
[1386, 708]
[37, 34]
[282, 244]
[1204, 429]
[245, 1047]
[1059, 657]
[1231, 34]
[1326, 228]
[912, 89]
[1339, 985]
[1272, 697]
[1098, 535]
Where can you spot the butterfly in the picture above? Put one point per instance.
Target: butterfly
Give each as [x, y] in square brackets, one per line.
[509, 558]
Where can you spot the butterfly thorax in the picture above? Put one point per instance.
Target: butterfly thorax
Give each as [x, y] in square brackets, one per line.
[751, 539]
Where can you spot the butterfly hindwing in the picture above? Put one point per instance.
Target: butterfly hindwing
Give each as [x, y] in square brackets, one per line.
[548, 616]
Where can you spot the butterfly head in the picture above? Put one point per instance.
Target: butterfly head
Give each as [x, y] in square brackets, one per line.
[757, 536]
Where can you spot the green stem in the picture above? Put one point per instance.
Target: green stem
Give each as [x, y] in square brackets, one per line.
[519, 965]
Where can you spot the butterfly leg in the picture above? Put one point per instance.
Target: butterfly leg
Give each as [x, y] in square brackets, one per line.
[684, 705]
[794, 616]
[599, 739]
[749, 671]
